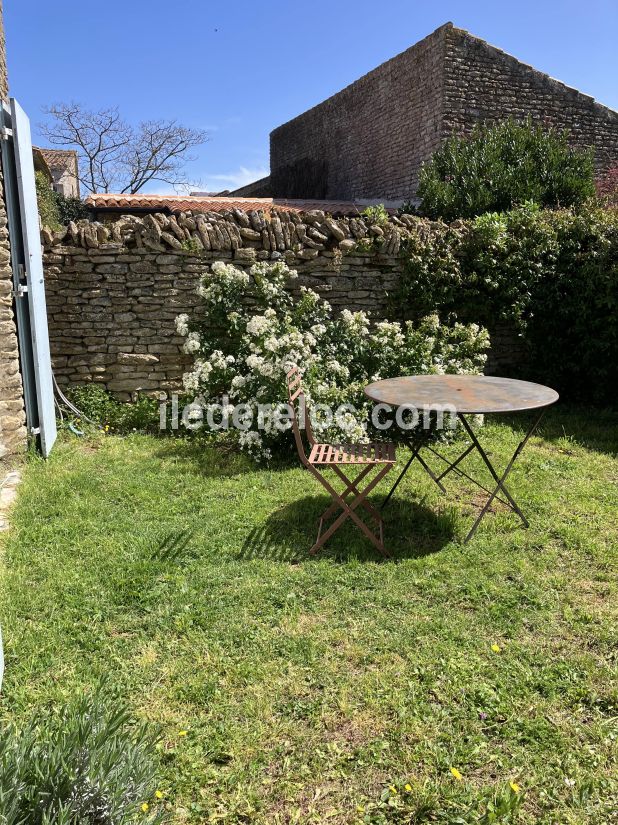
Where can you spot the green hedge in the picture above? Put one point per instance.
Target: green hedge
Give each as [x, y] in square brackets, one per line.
[551, 274]
[501, 165]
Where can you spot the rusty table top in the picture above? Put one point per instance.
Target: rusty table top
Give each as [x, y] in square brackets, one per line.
[466, 393]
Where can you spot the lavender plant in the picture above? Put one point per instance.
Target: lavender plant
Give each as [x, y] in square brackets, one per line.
[86, 764]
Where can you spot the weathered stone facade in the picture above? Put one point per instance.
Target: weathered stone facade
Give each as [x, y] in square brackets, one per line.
[114, 290]
[12, 418]
[369, 140]
[483, 83]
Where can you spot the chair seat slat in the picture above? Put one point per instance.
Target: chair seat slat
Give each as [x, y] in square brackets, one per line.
[376, 453]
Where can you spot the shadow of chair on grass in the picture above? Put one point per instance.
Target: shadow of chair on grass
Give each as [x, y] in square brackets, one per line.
[411, 530]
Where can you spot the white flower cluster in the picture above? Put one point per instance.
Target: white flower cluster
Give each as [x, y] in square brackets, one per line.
[192, 344]
[357, 323]
[182, 324]
[250, 332]
[204, 369]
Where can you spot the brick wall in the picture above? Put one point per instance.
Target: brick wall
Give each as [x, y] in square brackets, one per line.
[367, 141]
[370, 140]
[482, 82]
[12, 420]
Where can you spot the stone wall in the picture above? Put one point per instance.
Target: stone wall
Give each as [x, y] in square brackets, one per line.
[12, 416]
[114, 290]
[370, 140]
[484, 83]
[4, 83]
[12, 419]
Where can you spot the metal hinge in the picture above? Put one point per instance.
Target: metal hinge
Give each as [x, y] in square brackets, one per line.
[20, 290]
[5, 133]
[35, 431]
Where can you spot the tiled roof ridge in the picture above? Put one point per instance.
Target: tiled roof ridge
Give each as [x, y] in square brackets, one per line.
[188, 203]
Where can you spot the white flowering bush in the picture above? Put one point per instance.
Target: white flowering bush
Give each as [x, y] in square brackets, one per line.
[249, 331]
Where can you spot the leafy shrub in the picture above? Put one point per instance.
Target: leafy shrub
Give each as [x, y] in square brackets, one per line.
[573, 326]
[99, 406]
[70, 209]
[552, 275]
[87, 764]
[55, 209]
[500, 166]
[376, 214]
[482, 269]
[250, 330]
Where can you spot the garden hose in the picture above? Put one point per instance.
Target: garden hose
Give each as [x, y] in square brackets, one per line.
[60, 400]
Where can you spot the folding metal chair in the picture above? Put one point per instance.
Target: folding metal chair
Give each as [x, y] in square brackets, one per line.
[377, 456]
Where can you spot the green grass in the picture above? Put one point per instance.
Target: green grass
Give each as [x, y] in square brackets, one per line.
[343, 688]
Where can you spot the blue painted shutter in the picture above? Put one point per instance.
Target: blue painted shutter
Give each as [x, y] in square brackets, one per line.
[33, 262]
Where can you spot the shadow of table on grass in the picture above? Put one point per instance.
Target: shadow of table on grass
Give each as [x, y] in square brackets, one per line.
[593, 428]
[411, 530]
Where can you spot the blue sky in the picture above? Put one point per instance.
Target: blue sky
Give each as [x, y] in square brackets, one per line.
[239, 68]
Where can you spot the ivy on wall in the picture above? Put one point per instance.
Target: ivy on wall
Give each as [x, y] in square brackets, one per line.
[48, 206]
[55, 209]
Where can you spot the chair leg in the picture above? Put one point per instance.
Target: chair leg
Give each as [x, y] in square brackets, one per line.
[352, 487]
[349, 511]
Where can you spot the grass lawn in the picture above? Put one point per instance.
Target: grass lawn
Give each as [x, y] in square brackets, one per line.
[342, 688]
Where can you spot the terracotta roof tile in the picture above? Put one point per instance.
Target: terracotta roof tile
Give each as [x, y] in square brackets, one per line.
[60, 158]
[185, 203]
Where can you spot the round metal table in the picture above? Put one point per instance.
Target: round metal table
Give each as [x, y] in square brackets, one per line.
[464, 395]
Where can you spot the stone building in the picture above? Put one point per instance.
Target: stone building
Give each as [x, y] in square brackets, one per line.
[369, 140]
[12, 417]
[63, 167]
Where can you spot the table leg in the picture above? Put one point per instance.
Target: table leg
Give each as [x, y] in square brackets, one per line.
[500, 485]
[430, 472]
[475, 445]
[453, 466]
[414, 454]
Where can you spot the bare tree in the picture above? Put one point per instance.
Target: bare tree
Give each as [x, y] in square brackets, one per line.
[114, 156]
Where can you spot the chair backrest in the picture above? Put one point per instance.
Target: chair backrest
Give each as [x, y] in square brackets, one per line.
[298, 404]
